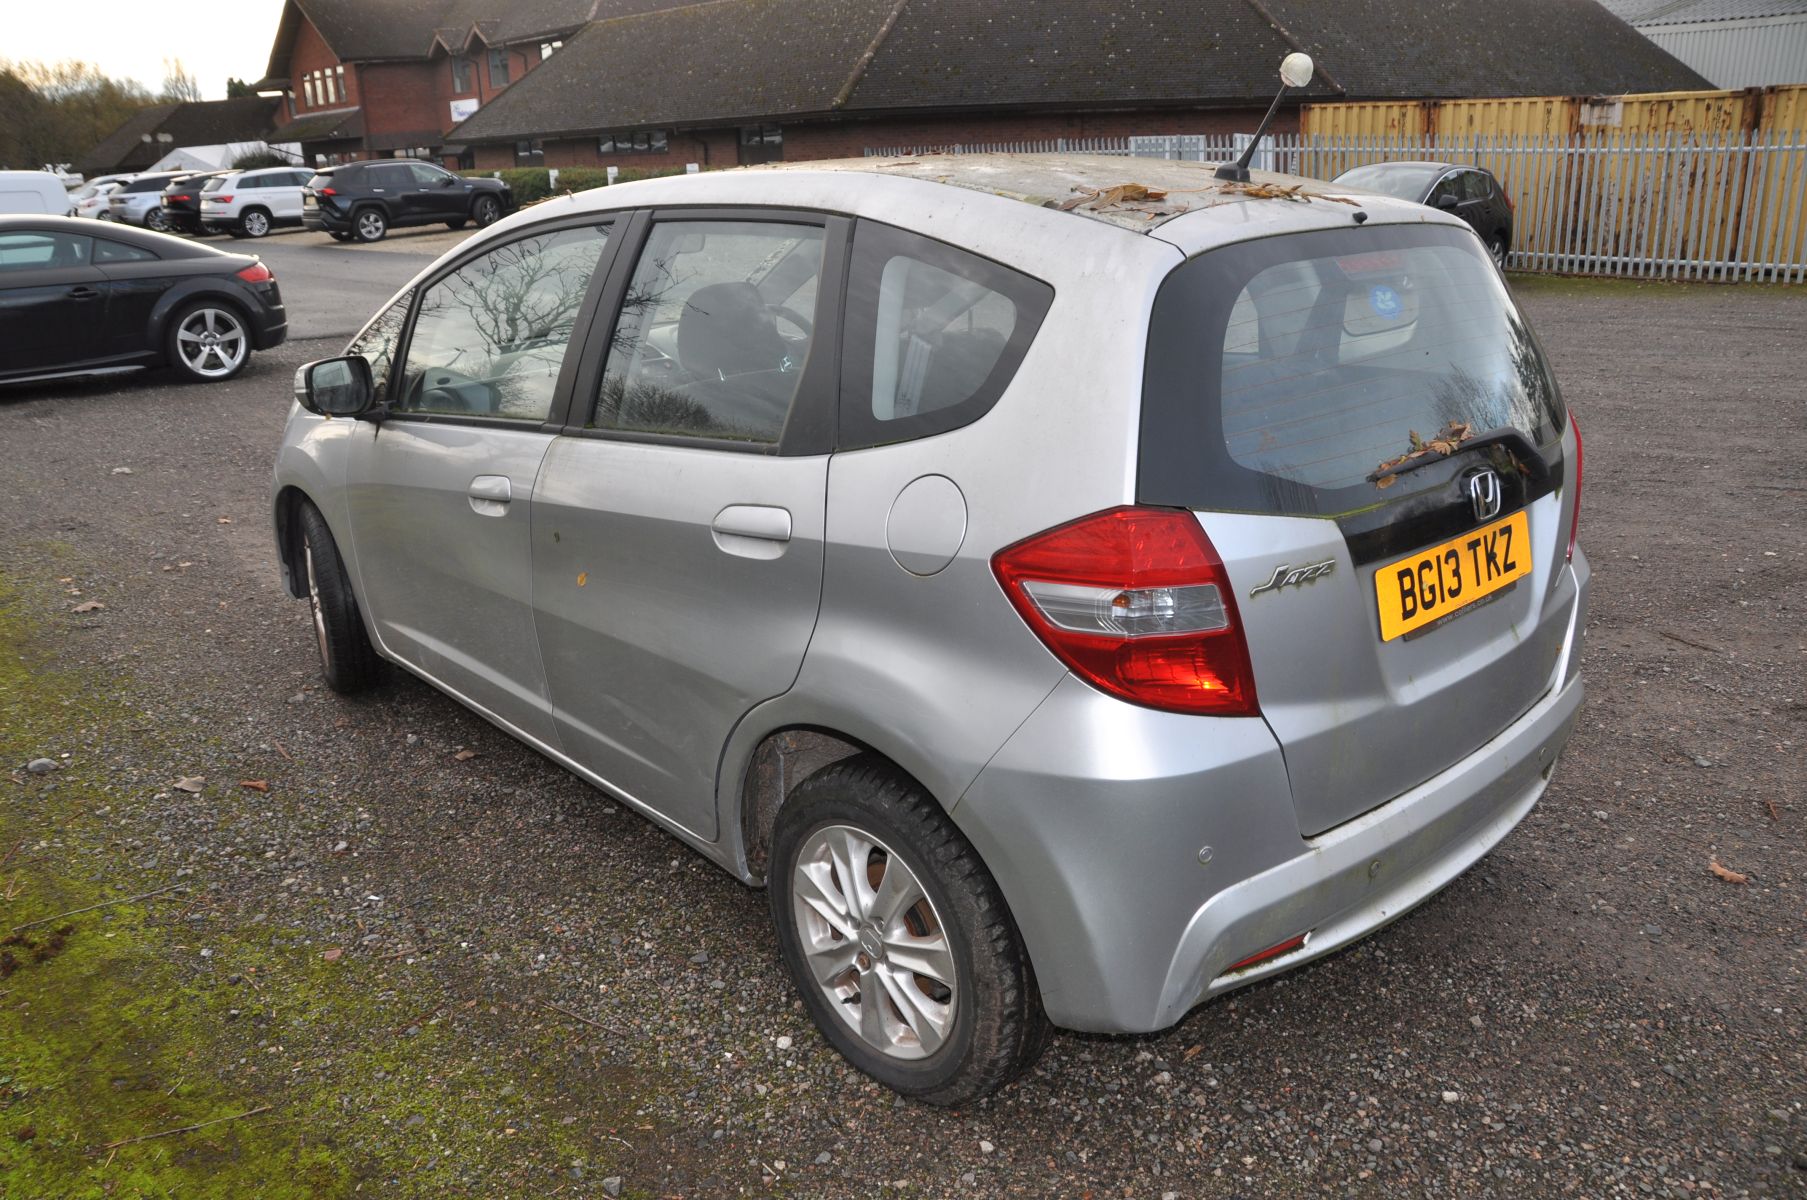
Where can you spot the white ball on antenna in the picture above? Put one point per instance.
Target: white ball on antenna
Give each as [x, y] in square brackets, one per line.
[1295, 69]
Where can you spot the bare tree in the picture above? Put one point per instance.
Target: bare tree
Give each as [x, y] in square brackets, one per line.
[179, 85]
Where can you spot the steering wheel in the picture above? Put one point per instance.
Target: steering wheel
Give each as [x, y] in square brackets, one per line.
[794, 317]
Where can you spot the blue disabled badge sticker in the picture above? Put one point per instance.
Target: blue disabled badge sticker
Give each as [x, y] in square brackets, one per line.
[1385, 301]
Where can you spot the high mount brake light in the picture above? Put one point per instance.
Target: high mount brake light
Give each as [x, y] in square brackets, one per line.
[1137, 603]
[1575, 519]
[256, 273]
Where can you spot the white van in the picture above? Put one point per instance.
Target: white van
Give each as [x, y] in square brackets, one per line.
[33, 192]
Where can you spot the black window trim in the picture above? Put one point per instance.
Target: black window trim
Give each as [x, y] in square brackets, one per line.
[1033, 297]
[610, 221]
[810, 428]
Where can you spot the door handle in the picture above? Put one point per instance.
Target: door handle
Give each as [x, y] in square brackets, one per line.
[83, 293]
[752, 530]
[489, 495]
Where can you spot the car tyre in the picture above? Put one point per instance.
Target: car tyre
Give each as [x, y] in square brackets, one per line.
[1497, 249]
[486, 211]
[347, 659]
[369, 224]
[937, 937]
[208, 341]
[158, 220]
[254, 222]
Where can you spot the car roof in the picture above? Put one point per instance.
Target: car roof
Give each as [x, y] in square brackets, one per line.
[1136, 194]
[162, 244]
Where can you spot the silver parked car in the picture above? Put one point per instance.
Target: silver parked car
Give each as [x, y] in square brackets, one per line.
[1074, 587]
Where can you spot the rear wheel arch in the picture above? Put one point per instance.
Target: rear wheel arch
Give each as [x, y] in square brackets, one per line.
[780, 763]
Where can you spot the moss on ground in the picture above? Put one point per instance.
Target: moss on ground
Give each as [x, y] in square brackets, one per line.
[131, 1020]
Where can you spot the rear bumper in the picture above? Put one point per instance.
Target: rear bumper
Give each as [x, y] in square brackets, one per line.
[320, 219]
[1094, 818]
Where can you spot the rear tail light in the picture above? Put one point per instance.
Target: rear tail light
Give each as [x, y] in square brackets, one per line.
[325, 192]
[256, 273]
[223, 199]
[1136, 602]
[1575, 520]
[181, 197]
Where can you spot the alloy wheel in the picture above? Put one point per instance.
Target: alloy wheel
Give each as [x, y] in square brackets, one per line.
[256, 224]
[313, 600]
[157, 219]
[874, 942]
[212, 342]
[371, 225]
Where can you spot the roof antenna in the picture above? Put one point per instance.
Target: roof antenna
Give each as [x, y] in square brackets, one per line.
[1295, 72]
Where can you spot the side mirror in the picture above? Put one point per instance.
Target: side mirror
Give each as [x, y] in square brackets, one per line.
[336, 387]
[1447, 202]
[447, 181]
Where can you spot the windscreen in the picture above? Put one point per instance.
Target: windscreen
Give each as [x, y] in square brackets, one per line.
[1408, 182]
[1286, 374]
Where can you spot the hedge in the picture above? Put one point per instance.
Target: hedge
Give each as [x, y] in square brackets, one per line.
[535, 183]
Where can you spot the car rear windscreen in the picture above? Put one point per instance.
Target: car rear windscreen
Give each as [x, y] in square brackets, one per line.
[1406, 181]
[215, 184]
[1285, 373]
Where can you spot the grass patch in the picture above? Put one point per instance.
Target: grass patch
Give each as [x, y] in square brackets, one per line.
[142, 1017]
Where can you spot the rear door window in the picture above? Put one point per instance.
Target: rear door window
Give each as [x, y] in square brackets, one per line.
[934, 335]
[715, 332]
[1285, 373]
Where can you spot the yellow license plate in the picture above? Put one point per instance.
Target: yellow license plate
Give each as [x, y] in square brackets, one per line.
[1431, 584]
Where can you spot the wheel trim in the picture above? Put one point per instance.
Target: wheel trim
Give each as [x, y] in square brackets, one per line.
[212, 342]
[875, 944]
[1497, 249]
[313, 600]
[487, 210]
[256, 224]
[370, 224]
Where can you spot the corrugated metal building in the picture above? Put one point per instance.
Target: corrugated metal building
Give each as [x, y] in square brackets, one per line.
[1734, 43]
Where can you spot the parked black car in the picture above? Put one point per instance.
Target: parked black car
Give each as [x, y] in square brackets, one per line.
[364, 200]
[1472, 193]
[182, 202]
[80, 298]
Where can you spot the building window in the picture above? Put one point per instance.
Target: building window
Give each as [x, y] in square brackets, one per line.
[467, 159]
[529, 154]
[307, 89]
[546, 49]
[498, 68]
[641, 141]
[461, 74]
[339, 78]
[761, 143]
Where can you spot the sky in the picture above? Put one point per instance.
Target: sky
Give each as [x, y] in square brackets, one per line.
[131, 38]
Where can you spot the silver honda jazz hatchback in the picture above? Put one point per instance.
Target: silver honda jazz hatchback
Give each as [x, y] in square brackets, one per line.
[1073, 587]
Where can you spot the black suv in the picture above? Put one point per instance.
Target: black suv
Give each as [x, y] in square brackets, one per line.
[1471, 193]
[182, 201]
[363, 200]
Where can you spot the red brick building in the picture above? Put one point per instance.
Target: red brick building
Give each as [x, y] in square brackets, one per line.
[388, 78]
[656, 83]
[736, 81]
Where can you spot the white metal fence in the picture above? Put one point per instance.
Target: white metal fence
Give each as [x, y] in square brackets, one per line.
[1657, 206]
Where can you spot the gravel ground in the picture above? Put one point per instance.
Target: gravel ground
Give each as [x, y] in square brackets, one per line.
[1591, 1011]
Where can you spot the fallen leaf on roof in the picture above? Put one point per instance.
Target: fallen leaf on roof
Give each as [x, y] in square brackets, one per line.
[1111, 197]
[1726, 873]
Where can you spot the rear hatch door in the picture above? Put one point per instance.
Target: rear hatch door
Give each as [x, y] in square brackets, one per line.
[1371, 436]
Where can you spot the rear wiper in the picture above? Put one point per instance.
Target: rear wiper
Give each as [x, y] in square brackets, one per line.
[1524, 451]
